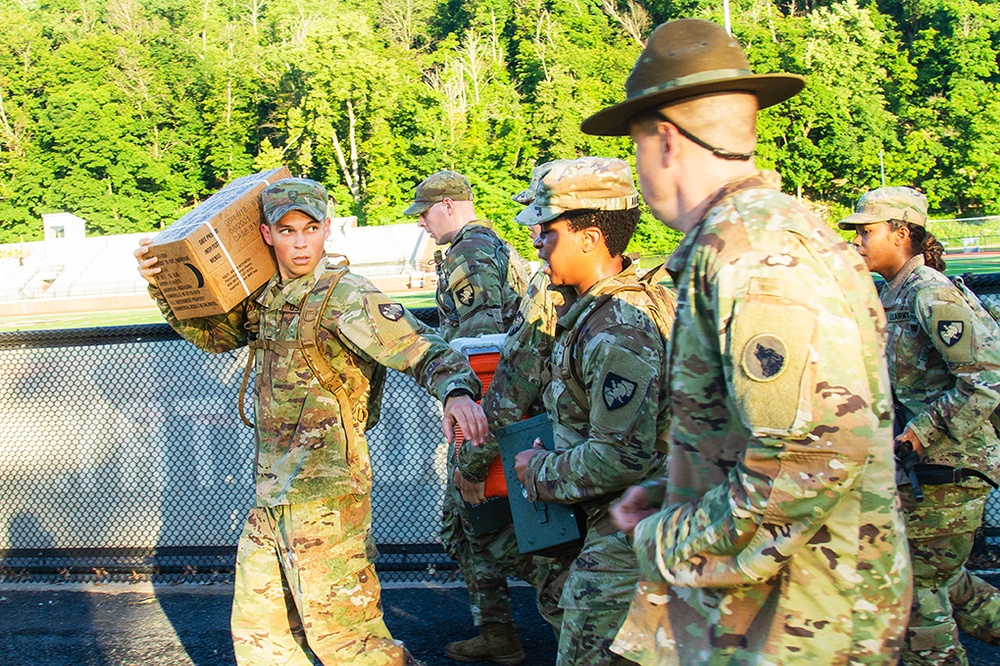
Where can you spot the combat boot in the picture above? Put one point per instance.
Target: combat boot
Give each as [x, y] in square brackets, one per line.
[497, 642]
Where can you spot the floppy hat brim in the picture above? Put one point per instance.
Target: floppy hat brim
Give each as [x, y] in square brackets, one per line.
[770, 89]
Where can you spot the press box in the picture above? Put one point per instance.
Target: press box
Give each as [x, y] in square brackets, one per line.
[215, 256]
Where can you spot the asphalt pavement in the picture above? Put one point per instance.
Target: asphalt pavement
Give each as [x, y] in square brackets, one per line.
[125, 624]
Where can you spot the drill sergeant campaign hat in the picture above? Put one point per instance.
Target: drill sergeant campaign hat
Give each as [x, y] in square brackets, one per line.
[586, 183]
[888, 203]
[288, 194]
[683, 59]
[437, 187]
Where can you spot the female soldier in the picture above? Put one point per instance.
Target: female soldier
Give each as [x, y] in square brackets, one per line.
[944, 364]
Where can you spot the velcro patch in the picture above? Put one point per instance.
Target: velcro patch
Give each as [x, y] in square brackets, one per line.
[391, 311]
[617, 391]
[466, 295]
[765, 357]
[771, 342]
[897, 316]
[515, 325]
[950, 331]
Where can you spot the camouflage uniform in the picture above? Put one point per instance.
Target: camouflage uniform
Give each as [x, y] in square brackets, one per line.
[522, 374]
[604, 399]
[944, 363]
[516, 390]
[781, 539]
[480, 283]
[306, 588]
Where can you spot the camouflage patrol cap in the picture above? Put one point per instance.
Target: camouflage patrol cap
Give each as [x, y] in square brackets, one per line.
[586, 183]
[526, 196]
[437, 187]
[289, 194]
[888, 203]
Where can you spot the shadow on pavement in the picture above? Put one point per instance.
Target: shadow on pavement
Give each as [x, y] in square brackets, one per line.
[121, 624]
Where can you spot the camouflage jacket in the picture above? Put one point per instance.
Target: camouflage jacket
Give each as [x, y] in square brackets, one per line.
[305, 448]
[480, 282]
[522, 373]
[780, 540]
[605, 398]
[944, 363]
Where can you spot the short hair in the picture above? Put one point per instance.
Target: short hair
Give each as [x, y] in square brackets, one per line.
[724, 120]
[617, 226]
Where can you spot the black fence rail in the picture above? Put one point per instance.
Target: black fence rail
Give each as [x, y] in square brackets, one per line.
[122, 457]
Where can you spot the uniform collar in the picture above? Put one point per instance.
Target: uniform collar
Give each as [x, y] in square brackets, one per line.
[468, 228]
[576, 308]
[760, 179]
[294, 292]
[895, 286]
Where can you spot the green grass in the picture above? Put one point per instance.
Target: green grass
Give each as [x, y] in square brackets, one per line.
[48, 322]
[956, 265]
[971, 263]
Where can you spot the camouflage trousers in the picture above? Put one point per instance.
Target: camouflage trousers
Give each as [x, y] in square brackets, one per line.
[487, 561]
[596, 599]
[306, 590]
[946, 597]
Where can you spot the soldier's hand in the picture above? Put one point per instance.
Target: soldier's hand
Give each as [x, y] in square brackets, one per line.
[463, 411]
[631, 508]
[473, 492]
[908, 436]
[147, 262]
[523, 458]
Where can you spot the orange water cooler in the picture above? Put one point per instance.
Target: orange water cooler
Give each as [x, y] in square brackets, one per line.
[483, 353]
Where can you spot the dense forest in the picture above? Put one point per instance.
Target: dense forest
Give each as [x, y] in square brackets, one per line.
[128, 112]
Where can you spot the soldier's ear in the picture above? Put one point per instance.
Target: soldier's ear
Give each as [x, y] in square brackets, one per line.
[265, 231]
[592, 239]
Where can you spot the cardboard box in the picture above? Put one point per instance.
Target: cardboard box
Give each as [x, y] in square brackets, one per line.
[215, 256]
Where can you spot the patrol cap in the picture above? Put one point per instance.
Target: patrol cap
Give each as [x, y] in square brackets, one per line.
[586, 183]
[888, 203]
[288, 194]
[437, 187]
[526, 196]
[683, 59]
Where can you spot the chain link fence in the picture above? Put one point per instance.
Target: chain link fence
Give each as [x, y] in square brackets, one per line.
[123, 457]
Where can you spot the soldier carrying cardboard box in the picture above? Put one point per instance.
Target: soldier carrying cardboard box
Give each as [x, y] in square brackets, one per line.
[306, 588]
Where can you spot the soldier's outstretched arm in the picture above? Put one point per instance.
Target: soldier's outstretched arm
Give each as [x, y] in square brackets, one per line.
[462, 411]
[374, 325]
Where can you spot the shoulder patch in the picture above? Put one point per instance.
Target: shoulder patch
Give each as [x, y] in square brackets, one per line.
[950, 331]
[515, 325]
[391, 311]
[617, 391]
[466, 295]
[765, 357]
